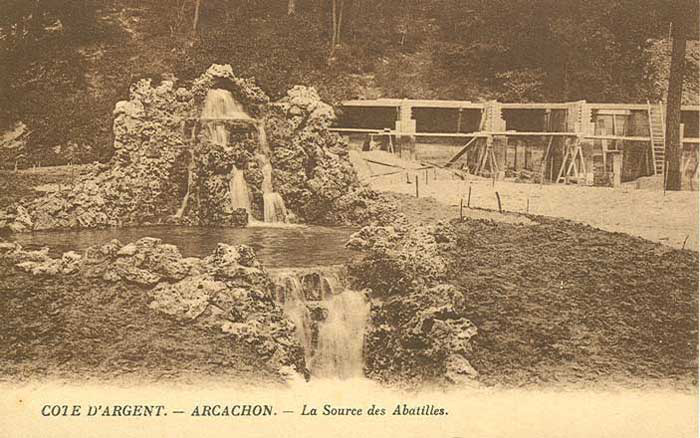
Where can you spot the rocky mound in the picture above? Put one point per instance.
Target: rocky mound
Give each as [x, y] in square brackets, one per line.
[167, 169]
[419, 331]
[228, 292]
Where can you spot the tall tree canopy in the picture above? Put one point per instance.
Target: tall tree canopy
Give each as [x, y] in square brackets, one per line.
[63, 63]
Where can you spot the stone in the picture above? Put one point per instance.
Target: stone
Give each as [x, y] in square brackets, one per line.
[186, 299]
[70, 262]
[420, 329]
[162, 153]
[459, 371]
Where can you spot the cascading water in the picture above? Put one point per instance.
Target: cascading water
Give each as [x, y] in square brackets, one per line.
[238, 188]
[220, 107]
[296, 310]
[274, 208]
[330, 320]
[341, 336]
[190, 176]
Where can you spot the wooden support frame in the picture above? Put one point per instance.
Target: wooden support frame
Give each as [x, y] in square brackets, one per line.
[543, 165]
[573, 157]
[487, 157]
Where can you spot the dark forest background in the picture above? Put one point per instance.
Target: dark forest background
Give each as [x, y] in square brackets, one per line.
[64, 63]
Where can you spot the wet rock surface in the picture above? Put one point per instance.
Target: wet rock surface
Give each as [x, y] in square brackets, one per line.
[228, 292]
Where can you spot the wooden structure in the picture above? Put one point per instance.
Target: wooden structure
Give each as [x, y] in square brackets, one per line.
[657, 134]
[559, 142]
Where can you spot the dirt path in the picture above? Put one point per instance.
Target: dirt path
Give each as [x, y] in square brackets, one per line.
[670, 218]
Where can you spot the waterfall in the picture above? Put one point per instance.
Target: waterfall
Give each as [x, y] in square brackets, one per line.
[297, 311]
[341, 336]
[262, 140]
[329, 319]
[220, 107]
[274, 208]
[238, 188]
[190, 176]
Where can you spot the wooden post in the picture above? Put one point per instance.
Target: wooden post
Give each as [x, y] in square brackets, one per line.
[461, 209]
[498, 198]
[426, 177]
[617, 169]
[469, 198]
[417, 187]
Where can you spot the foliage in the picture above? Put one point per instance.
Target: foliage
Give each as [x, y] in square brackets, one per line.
[64, 63]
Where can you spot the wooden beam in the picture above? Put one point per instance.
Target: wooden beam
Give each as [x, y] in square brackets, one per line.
[461, 152]
[358, 130]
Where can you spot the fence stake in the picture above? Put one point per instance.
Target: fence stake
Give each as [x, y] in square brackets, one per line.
[498, 197]
[417, 186]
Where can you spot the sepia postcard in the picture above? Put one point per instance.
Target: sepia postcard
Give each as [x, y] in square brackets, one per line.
[343, 218]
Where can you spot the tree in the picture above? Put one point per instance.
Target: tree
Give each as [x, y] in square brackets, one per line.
[674, 145]
[197, 4]
[337, 12]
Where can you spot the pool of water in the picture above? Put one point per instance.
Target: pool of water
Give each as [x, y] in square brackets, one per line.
[276, 247]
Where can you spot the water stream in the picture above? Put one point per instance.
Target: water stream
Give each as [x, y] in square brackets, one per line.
[341, 336]
[329, 318]
[238, 189]
[220, 106]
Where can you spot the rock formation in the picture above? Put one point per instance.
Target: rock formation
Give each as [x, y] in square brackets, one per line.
[419, 331]
[228, 290]
[167, 168]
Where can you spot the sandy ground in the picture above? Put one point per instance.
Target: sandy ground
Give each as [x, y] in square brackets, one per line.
[670, 218]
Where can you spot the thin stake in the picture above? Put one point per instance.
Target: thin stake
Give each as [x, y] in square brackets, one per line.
[408, 180]
[684, 241]
[469, 199]
[498, 198]
[426, 177]
[528, 205]
[417, 186]
[665, 174]
[461, 209]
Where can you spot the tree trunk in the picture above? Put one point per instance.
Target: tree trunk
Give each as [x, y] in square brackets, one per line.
[674, 147]
[196, 15]
[340, 21]
[291, 7]
[335, 24]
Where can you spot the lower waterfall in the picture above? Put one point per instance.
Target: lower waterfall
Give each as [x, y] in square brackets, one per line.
[341, 336]
[329, 319]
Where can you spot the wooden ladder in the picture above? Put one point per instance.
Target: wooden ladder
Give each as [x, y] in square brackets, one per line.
[657, 133]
